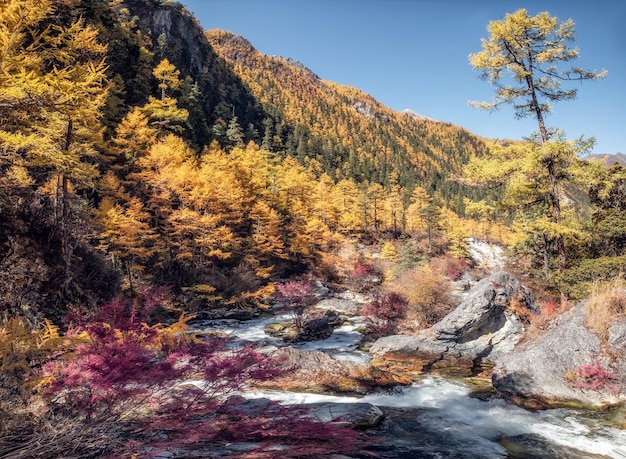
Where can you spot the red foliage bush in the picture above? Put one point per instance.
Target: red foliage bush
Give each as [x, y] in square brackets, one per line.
[362, 270]
[595, 377]
[452, 268]
[364, 276]
[550, 308]
[383, 313]
[298, 297]
[162, 388]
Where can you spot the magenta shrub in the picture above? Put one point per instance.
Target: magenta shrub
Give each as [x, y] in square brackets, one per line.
[595, 377]
[364, 277]
[298, 297]
[383, 313]
[155, 388]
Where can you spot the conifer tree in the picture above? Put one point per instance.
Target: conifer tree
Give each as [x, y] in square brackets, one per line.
[164, 112]
[346, 201]
[530, 49]
[419, 200]
[234, 133]
[52, 91]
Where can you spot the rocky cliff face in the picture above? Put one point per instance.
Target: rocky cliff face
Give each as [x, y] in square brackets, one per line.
[548, 371]
[185, 44]
[483, 328]
[218, 93]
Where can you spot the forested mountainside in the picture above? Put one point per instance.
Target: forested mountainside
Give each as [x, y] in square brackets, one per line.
[162, 154]
[275, 102]
[348, 132]
[285, 108]
[190, 160]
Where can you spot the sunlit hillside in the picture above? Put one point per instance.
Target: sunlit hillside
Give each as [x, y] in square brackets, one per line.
[346, 130]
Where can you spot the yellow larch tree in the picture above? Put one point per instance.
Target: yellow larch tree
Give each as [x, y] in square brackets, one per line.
[52, 90]
[420, 199]
[128, 238]
[345, 198]
[164, 112]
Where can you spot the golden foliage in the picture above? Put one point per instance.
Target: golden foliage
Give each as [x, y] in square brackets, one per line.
[22, 349]
[428, 293]
[179, 330]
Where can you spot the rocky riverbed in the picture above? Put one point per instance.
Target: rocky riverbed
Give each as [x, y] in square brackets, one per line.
[417, 414]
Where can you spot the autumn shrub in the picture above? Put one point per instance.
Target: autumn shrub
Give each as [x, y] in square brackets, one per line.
[124, 388]
[297, 295]
[594, 377]
[364, 276]
[383, 313]
[451, 267]
[328, 268]
[548, 310]
[22, 350]
[521, 305]
[606, 303]
[348, 254]
[429, 295]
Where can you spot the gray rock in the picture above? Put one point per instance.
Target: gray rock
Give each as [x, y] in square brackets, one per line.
[316, 328]
[299, 360]
[482, 328]
[342, 306]
[355, 415]
[541, 370]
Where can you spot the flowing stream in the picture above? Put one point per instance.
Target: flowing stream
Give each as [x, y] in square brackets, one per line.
[439, 418]
[457, 425]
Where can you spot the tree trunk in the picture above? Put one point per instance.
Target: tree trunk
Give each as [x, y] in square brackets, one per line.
[546, 257]
[67, 248]
[555, 200]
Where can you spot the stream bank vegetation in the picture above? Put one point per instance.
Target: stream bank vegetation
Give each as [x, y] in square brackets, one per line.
[111, 385]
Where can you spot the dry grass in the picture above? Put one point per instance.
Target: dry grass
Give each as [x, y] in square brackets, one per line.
[429, 295]
[606, 303]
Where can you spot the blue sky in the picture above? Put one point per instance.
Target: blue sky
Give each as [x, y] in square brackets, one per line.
[414, 54]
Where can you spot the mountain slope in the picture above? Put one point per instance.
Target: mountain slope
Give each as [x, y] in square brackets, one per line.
[346, 130]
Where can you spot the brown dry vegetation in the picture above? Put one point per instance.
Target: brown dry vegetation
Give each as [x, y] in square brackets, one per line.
[606, 303]
[429, 295]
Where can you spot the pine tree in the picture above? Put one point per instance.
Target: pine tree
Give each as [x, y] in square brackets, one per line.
[234, 133]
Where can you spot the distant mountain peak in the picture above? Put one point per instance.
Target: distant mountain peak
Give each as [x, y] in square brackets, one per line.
[610, 159]
[417, 116]
[299, 65]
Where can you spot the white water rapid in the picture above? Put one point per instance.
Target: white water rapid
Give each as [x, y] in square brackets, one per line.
[477, 426]
[341, 345]
[443, 415]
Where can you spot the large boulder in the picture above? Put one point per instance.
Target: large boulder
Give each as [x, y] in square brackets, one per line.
[547, 371]
[486, 325]
[343, 306]
[316, 325]
[319, 327]
[316, 371]
[354, 415]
